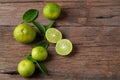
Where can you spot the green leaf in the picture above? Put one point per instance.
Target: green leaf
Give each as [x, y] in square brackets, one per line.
[30, 15]
[43, 44]
[40, 27]
[50, 25]
[42, 67]
[40, 64]
[29, 57]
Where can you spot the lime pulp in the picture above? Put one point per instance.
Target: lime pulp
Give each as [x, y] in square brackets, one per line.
[64, 47]
[53, 35]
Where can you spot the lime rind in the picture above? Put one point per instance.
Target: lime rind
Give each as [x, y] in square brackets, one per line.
[24, 33]
[53, 35]
[39, 53]
[51, 11]
[64, 47]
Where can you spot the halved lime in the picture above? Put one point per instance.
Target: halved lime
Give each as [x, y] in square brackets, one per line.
[53, 35]
[64, 47]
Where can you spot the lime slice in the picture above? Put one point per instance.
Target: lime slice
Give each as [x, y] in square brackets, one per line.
[53, 35]
[63, 47]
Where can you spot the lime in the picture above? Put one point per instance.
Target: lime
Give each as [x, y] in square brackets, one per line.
[53, 35]
[24, 33]
[63, 47]
[26, 68]
[39, 53]
[51, 11]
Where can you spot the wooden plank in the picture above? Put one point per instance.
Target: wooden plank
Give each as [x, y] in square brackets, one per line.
[83, 15]
[103, 2]
[92, 36]
[57, 76]
[51, 77]
[19, 1]
[91, 2]
[11, 14]
[104, 21]
[103, 12]
[108, 15]
[65, 0]
[84, 36]
[23, 1]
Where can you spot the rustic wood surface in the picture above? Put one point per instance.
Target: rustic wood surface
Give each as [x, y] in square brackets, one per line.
[93, 26]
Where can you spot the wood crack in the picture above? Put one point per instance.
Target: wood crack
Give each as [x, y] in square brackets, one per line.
[10, 72]
[22, 2]
[106, 17]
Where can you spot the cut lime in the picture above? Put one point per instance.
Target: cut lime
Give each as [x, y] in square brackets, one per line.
[63, 47]
[53, 35]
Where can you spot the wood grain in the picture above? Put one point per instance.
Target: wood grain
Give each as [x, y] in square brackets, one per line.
[92, 52]
[8, 10]
[93, 26]
[77, 13]
[19, 1]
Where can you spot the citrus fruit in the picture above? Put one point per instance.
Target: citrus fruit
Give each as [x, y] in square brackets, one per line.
[63, 47]
[53, 35]
[39, 53]
[24, 33]
[26, 68]
[51, 11]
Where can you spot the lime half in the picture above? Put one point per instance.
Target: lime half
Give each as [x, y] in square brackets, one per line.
[64, 47]
[53, 35]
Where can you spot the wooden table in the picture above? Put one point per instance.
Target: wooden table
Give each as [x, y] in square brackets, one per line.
[93, 26]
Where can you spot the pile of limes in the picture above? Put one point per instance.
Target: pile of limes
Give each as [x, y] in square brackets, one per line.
[25, 33]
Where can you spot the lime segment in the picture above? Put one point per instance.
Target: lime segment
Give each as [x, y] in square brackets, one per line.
[64, 47]
[53, 35]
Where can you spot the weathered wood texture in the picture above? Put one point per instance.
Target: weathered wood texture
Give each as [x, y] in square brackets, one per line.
[93, 26]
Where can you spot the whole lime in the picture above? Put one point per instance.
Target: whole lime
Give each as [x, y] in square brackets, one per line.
[26, 68]
[24, 33]
[39, 53]
[51, 11]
